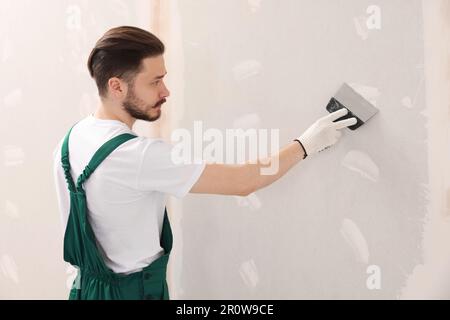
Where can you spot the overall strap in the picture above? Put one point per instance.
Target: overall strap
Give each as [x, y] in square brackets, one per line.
[65, 161]
[100, 155]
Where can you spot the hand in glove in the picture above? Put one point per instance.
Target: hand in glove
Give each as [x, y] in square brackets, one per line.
[323, 133]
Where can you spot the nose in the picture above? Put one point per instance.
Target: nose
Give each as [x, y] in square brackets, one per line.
[165, 93]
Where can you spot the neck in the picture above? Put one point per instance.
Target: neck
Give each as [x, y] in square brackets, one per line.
[106, 111]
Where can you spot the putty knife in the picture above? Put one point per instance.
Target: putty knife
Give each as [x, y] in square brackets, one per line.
[357, 106]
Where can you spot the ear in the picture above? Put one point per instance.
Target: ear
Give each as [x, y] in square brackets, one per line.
[117, 88]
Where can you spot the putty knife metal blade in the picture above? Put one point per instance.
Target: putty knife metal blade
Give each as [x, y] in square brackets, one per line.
[357, 106]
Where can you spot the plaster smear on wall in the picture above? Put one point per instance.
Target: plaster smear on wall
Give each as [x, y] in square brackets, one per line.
[13, 99]
[254, 5]
[9, 268]
[251, 201]
[249, 273]
[361, 29]
[407, 102]
[431, 279]
[13, 156]
[11, 210]
[365, 24]
[361, 163]
[354, 237]
[246, 69]
[8, 50]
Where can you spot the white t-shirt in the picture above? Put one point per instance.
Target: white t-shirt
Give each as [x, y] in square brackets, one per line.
[126, 194]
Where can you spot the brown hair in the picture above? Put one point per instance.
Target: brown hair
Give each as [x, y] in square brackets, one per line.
[119, 53]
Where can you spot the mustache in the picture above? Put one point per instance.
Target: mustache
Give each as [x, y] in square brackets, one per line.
[160, 102]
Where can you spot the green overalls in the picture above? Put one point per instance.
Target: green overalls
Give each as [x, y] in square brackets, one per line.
[95, 281]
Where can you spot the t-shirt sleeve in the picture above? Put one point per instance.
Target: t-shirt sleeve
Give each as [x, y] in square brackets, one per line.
[158, 172]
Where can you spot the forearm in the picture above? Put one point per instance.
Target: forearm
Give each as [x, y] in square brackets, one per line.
[268, 170]
[243, 179]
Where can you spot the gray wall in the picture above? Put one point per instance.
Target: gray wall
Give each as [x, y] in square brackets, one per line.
[316, 232]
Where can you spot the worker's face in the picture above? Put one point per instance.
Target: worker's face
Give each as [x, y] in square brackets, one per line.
[147, 92]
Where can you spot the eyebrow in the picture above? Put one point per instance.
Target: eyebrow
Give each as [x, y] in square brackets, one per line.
[159, 77]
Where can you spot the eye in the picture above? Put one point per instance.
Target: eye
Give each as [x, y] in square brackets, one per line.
[157, 82]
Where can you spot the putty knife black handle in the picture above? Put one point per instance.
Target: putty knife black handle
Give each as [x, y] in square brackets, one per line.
[357, 106]
[335, 105]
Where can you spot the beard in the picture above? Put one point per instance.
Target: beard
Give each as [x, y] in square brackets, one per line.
[138, 109]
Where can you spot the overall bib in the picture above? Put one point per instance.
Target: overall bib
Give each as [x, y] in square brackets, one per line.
[95, 281]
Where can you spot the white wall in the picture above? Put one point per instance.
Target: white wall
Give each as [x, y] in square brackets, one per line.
[45, 89]
[295, 239]
[430, 279]
[356, 208]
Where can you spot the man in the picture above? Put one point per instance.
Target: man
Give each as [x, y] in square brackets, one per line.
[112, 185]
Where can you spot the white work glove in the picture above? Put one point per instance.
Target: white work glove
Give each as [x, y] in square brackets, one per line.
[323, 133]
